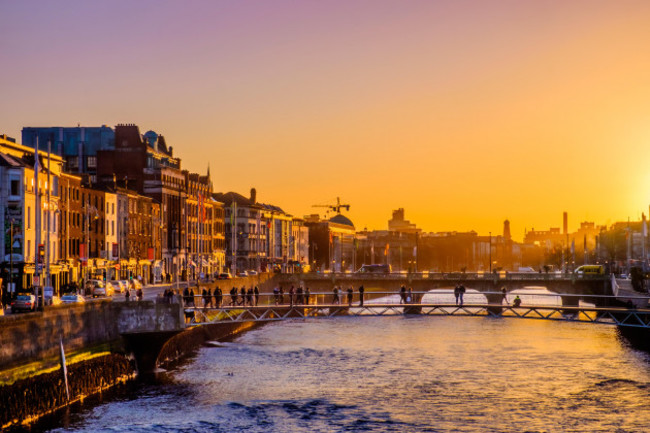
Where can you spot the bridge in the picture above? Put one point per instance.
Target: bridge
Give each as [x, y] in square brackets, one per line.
[489, 284]
[386, 304]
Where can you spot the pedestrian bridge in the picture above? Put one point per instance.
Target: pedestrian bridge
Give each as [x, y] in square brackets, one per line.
[559, 307]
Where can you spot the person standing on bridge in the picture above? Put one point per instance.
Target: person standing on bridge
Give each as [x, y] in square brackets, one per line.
[256, 292]
[461, 292]
[249, 296]
[307, 294]
[361, 290]
[218, 297]
[503, 295]
[402, 295]
[299, 299]
[242, 295]
[276, 295]
[350, 296]
[457, 292]
[335, 295]
[409, 295]
[292, 294]
[233, 296]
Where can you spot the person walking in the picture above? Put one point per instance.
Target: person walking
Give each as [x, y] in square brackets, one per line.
[461, 292]
[409, 295]
[256, 292]
[335, 295]
[503, 295]
[361, 290]
[456, 293]
[307, 295]
[139, 294]
[350, 296]
[127, 294]
[233, 296]
[249, 296]
[242, 295]
[402, 295]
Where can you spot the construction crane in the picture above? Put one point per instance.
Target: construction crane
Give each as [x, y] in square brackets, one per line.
[335, 207]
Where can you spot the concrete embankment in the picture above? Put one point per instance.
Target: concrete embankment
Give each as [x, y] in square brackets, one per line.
[31, 381]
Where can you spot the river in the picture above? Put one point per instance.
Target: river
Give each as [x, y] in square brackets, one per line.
[391, 374]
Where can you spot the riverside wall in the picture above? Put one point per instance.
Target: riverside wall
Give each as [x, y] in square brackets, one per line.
[36, 336]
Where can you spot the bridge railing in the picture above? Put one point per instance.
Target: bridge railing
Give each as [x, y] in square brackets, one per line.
[451, 276]
[396, 297]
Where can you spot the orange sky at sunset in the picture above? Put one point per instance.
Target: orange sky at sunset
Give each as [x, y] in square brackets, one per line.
[465, 113]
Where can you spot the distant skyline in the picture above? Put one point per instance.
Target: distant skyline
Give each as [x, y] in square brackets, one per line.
[465, 113]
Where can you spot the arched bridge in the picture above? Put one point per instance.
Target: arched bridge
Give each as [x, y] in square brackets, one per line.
[487, 283]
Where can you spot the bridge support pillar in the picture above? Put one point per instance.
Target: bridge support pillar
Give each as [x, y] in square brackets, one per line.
[570, 301]
[415, 309]
[495, 306]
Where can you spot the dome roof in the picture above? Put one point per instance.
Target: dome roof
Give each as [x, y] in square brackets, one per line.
[340, 219]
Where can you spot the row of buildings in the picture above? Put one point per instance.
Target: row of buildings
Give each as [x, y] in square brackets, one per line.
[101, 202]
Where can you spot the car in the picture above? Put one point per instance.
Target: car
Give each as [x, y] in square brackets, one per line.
[242, 274]
[110, 289]
[136, 284]
[224, 276]
[252, 273]
[71, 298]
[23, 303]
[55, 300]
[119, 286]
[125, 284]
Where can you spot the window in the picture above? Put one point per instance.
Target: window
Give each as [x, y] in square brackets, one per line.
[15, 187]
[29, 219]
[92, 162]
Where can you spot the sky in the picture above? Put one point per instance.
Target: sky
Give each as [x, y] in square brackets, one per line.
[465, 113]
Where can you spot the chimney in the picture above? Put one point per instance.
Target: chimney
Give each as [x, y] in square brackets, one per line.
[253, 196]
[566, 223]
[506, 230]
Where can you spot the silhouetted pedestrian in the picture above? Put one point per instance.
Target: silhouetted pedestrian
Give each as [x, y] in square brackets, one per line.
[361, 290]
[335, 295]
[292, 294]
[307, 295]
[461, 292]
[256, 292]
[503, 295]
[456, 293]
[402, 295]
[350, 296]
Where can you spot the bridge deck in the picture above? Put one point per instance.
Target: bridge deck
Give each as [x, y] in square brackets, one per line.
[597, 315]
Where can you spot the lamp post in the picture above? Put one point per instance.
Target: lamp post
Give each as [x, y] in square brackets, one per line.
[490, 247]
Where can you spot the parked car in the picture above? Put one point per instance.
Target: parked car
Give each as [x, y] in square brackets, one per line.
[23, 303]
[224, 276]
[252, 273]
[119, 286]
[98, 288]
[242, 274]
[110, 289]
[71, 298]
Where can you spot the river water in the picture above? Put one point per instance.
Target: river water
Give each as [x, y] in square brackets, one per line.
[392, 374]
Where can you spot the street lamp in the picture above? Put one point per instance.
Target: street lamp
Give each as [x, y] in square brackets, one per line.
[490, 247]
